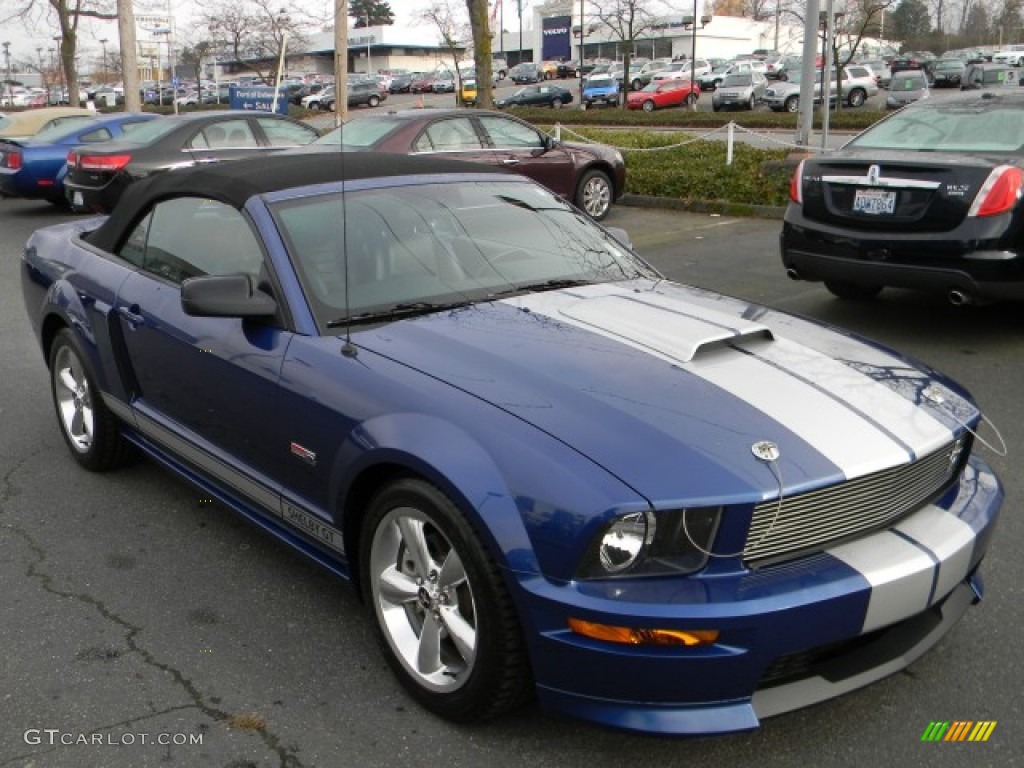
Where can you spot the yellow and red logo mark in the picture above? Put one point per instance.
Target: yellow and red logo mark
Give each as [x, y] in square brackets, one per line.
[958, 730]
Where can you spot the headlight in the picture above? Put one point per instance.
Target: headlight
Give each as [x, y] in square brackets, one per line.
[651, 544]
[624, 540]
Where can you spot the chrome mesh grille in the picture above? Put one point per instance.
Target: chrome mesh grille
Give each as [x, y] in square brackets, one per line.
[815, 519]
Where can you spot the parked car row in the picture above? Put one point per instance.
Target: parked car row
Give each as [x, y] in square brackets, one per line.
[87, 162]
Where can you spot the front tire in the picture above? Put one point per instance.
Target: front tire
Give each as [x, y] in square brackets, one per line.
[853, 291]
[594, 194]
[792, 104]
[648, 106]
[442, 613]
[90, 430]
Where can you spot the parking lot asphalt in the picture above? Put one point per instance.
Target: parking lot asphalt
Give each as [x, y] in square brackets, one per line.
[135, 611]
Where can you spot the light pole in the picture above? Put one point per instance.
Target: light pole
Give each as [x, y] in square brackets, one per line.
[60, 69]
[519, 6]
[7, 63]
[103, 69]
[583, 36]
[42, 75]
[368, 67]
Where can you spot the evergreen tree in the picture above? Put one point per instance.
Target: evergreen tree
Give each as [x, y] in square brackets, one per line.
[377, 12]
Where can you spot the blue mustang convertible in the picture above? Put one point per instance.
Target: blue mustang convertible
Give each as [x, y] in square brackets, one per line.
[548, 471]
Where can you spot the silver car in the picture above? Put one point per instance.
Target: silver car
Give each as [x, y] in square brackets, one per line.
[743, 90]
[858, 85]
[907, 87]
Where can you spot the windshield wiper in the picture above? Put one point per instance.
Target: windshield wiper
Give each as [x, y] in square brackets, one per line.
[394, 312]
[546, 285]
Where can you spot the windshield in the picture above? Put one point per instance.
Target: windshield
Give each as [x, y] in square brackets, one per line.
[991, 126]
[912, 81]
[441, 244]
[734, 81]
[359, 133]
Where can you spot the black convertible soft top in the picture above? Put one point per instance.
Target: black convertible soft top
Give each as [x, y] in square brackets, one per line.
[236, 181]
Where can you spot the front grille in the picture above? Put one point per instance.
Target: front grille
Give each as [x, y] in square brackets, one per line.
[811, 521]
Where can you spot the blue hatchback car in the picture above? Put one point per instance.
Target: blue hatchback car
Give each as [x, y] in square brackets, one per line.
[548, 471]
[35, 168]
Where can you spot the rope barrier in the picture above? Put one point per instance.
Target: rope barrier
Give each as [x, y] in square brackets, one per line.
[559, 129]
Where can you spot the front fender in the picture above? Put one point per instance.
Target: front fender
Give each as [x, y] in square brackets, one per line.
[532, 499]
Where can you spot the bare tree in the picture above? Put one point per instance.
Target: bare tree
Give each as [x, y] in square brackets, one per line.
[69, 15]
[627, 21]
[253, 31]
[454, 34]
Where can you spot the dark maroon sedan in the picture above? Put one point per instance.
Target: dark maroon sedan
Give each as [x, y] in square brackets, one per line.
[590, 175]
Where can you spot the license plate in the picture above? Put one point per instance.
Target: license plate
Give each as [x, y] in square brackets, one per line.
[874, 201]
[77, 198]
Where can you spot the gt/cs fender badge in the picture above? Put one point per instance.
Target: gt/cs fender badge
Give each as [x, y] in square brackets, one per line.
[765, 450]
[304, 453]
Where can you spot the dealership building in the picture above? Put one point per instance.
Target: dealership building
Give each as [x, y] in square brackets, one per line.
[549, 31]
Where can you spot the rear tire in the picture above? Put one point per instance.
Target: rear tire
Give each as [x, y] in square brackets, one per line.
[373, 101]
[441, 611]
[556, 103]
[857, 98]
[792, 104]
[852, 291]
[691, 99]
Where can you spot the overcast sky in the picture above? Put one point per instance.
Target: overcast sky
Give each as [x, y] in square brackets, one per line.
[25, 38]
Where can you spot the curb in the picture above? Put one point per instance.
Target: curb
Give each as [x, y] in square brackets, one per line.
[721, 207]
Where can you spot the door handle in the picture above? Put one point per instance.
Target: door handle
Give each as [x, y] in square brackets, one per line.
[510, 161]
[132, 315]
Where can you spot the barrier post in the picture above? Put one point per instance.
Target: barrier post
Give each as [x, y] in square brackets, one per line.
[729, 141]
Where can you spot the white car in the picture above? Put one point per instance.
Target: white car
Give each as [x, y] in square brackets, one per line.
[681, 69]
[1012, 55]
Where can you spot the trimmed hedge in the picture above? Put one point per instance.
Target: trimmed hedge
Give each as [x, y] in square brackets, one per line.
[696, 170]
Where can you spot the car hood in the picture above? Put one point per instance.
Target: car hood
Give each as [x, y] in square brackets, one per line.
[656, 382]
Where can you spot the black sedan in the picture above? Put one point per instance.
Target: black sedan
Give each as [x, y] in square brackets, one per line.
[97, 176]
[540, 95]
[946, 73]
[590, 175]
[927, 199]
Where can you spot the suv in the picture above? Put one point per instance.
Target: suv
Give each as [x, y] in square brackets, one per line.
[988, 76]
[1011, 56]
[601, 89]
[858, 85]
[358, 93]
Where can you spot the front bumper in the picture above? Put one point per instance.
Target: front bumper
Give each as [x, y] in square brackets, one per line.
[980, 259]
[791, 634]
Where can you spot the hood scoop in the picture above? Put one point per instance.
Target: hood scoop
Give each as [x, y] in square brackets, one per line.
[663, 327]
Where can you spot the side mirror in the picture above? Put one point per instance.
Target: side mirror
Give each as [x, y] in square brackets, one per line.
[225, 296]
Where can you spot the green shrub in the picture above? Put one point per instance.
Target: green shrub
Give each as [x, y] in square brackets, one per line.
[695, 170]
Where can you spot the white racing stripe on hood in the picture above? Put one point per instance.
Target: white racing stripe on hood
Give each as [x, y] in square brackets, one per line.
[911, 566]
[845, 415]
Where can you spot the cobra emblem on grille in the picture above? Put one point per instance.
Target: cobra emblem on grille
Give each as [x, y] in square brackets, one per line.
[873, 173]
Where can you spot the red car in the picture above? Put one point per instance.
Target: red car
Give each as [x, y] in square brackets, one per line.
[664, 93]
[422, 84]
